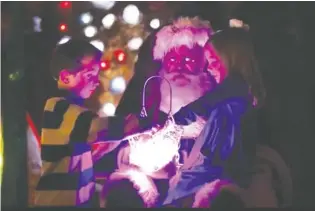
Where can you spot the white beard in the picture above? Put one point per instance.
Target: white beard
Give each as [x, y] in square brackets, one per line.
[181, 95]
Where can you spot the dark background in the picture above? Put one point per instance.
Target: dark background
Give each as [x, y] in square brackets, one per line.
[283, 33]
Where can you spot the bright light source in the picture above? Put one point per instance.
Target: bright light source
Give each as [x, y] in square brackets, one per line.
[155, 23]
[98, 44]
[64, 40]
[37, 24]
[63, 27]
[131, 14]
[65, 4]
[108, 109]
[86, 18]
[106, 5]
[118, 85]
[135, 43]
[108, 21]
[90, 31]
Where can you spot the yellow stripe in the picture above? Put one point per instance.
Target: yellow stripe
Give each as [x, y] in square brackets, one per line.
[55, 198]
[62, 166]
[51, 103]
[60, 136]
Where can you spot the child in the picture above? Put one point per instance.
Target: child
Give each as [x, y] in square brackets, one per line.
[67, 123]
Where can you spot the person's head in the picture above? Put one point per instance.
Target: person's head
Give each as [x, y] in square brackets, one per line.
[232, 50]
[179, 48]
[75, 66]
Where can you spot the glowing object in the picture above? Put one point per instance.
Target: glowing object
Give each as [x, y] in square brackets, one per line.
[64, 40]
[107, 5]
[108, 21]
[90, 31]
[118, 85]
[155, 23]
[63, 27]
[65, 4]
[105, 65]
[86, 18]
[152, 153]
[120, 56]
[135, 43]
[131, 14]
[108, 109]
[98, 44]
[37, 24]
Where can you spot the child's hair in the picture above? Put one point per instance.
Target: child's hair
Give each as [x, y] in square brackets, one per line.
[235, 47]
[68, 56]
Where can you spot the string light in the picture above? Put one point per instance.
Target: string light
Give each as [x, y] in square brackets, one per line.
[98, 44]
[118, 85]
[108, 20]
[63, 27]
[120, 56]
[65, 4]
[37, 24]
[135, 43]
[108, 109]
[86, 18]
[106, 5]
[155, 23]
[131, 14]
[90, 31]
[105, 65]
[64, 40]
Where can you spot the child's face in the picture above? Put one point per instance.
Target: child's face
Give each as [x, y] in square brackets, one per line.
[84, 82]
[216, 65]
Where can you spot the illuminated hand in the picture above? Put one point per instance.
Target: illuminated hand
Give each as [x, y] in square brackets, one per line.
[174, 180]
[145, 186]
[194, 129]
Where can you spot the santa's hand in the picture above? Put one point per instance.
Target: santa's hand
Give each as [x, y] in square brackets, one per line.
[174, 180]
[145, 186]
[194, 129]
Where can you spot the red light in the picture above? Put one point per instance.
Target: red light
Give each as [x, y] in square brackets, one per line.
[105, 65]
[120, 56]
[63, 27]
[65, 4]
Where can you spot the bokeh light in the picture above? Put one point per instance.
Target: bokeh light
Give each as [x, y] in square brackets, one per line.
[105, 5]
[90, 31]
[86, 18]
[108, 20]
[65, 4]
[108, 109]
[131, 14]
[63, 27]
[98, 44]
[64, 40]
[118, 85]
[120, 56]
[155, 23]
[135, 43]
[37, 24]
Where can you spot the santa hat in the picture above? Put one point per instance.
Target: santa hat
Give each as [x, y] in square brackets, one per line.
[184, 31]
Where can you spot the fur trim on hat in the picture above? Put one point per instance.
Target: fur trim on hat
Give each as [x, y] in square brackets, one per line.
[184, 31]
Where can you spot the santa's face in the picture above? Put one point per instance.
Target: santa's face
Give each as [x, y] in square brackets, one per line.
[184, 69]
[182, 64]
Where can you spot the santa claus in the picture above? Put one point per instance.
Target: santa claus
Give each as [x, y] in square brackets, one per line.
[208, 106]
